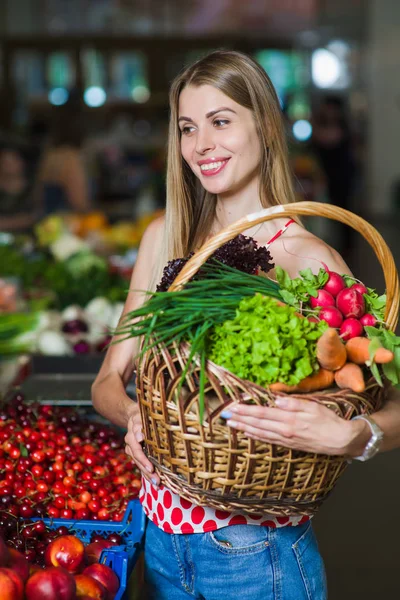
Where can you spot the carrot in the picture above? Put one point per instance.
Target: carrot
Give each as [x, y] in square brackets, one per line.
[350, 376]
[357, 352]
[317, 381]
[331, 351]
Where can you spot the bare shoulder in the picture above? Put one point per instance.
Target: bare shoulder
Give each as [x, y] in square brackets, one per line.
[153, 236]
[300, 249]
[149, 250]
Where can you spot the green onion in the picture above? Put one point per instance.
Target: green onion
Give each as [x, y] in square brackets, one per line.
[190, 313]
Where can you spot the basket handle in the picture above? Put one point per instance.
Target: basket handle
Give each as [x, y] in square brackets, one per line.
[312, 209]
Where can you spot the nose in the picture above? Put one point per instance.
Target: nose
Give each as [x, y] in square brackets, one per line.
[204, 141]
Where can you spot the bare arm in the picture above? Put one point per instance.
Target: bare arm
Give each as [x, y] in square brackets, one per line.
[108, 390]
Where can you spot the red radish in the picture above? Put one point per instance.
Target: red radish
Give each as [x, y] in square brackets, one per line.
[368, 320]
[332, 316]
[351, 328]
[323, 299]
[350, 303]
[360, 287]
[334, 284]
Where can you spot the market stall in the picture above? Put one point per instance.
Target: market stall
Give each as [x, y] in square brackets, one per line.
[67, 480]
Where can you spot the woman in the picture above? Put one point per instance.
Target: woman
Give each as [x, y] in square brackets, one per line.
[227, 158]
[62, 183]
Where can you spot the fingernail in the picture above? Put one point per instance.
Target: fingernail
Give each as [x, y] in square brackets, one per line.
[226, 414]
[231, 423]
[139, 436]
[154, 481]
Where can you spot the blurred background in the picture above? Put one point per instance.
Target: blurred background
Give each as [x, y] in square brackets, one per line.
[83, 122]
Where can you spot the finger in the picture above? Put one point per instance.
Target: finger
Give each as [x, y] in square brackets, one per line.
[250, 425]
[262, 435]
[153, 478]
[269, 413]
[137, 453]
[295, 404]
[244, 423]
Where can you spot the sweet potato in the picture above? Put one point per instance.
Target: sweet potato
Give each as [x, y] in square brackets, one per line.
[318, 381]
[358, 353]
[350, 376]
[331, 352]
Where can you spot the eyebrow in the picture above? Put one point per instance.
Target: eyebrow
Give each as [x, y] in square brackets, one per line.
[208, 115]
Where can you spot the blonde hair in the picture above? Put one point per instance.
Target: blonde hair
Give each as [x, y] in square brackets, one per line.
[190, 209]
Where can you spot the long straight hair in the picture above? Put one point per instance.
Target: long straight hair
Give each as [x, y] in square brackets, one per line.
[190, 209]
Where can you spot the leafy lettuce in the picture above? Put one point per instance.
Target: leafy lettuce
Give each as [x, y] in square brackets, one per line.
[266, 342]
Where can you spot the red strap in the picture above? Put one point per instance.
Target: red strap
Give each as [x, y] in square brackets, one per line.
[279, 233]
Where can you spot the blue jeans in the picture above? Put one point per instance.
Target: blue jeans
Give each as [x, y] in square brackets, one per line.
[248, 562]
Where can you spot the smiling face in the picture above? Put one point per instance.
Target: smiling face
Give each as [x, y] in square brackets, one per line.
[219, 140]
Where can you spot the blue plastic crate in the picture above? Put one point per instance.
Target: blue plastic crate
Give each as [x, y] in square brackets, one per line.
[122, 559]
[118, 561]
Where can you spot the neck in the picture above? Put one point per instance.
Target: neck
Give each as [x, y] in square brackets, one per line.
[232, 206]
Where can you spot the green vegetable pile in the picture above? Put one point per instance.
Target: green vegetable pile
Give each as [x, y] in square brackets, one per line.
[189, 315]
[266, 342]
[76, 280]
[15, 332]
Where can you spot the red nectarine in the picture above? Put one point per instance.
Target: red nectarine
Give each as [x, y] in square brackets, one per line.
[87, 586]
[4, 555]
[11, 585]
[18, 563]
[106, 576]
[49, 584]
[94, 549]
[66, 551]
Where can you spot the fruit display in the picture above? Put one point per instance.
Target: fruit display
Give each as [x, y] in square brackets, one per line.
[39, 563]
[57, 463]
[91, 230]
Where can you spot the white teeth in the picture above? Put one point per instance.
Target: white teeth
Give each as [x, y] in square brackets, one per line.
[210, 166]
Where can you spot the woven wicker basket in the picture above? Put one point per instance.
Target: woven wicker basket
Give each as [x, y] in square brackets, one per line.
[214, 465]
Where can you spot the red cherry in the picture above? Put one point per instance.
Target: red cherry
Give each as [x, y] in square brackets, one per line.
[63, 530]
[94, 506]
[38, 456]
[40, 527]
[82, 513]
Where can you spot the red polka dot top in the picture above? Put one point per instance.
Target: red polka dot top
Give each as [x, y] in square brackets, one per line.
[173, 514]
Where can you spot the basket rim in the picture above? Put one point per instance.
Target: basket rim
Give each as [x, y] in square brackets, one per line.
[317, 209]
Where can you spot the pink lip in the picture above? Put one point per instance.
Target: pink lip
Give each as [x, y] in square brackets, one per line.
[211, 172]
